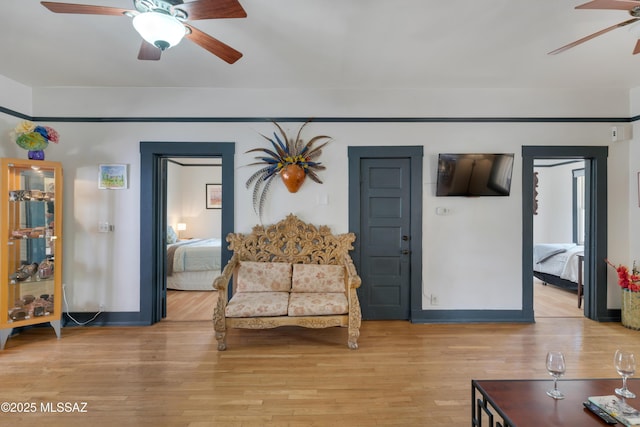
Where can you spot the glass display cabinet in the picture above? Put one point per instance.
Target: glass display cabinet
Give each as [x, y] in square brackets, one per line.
[31, 250]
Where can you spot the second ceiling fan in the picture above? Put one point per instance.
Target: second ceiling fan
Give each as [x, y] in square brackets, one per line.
[631, 6]
[163, 23]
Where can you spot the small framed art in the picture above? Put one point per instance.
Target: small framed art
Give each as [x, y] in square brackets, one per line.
[112, 177]
[214, 196]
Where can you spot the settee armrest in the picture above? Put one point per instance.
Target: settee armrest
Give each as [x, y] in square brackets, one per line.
[353, 280]
[221, 283]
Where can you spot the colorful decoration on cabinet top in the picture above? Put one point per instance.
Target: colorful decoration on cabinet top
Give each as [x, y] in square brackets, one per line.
[34, 138]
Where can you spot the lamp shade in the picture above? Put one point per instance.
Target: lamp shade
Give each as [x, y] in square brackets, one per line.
[181, 226]
[159, 29]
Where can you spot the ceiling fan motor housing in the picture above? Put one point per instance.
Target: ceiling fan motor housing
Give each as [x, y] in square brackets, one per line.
[162, 6]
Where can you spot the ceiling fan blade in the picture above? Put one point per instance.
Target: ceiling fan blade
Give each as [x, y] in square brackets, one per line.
[637, 48]
[212, 9]
[149, 52]
[83, 9]
[594, 35]
[610, 4]
[221, 50]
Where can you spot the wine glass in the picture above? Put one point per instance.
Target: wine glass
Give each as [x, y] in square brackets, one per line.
[556, 367]
[625, 363]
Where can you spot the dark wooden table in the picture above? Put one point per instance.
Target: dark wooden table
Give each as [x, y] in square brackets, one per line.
[524, 403]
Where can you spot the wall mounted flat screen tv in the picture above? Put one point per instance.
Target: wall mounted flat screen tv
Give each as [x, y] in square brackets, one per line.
[474, 175]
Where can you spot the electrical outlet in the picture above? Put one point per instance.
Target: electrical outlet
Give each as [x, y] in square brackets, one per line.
[102, 307]
[434, 300]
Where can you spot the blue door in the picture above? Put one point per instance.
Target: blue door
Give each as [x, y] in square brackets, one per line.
[385, 220]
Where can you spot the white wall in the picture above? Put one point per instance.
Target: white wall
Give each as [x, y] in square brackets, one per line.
[472, 258]
[15, 96]
[186, 200]
[554, 221]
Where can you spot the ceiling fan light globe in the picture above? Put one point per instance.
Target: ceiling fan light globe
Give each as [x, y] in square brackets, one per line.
[159, 29]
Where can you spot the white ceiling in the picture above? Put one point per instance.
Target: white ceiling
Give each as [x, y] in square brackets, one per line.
[365, 44]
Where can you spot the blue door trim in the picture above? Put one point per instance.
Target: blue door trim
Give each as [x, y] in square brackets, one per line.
[152, 233]
[415, 154]
[595, 274]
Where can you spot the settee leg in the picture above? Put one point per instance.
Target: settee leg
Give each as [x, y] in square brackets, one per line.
[220, 329]
[222, 340]
[355, 320]
[354, 333]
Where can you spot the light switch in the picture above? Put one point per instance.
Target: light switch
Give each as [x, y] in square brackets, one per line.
[442, 211]
[104, 227]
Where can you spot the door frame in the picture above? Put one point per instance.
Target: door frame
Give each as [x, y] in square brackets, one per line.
[595, 274]
[152, 214]
[415, 154]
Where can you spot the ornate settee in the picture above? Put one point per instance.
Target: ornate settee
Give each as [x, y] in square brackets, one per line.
[289, 273]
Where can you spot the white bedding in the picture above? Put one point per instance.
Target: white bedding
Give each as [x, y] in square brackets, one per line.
[193, 264]
[196, 255]
[563, 264]
[193, 280]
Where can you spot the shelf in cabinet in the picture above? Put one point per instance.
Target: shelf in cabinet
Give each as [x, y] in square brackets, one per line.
[32, 281]
[30, 233]
[31, 320]
[31, 196]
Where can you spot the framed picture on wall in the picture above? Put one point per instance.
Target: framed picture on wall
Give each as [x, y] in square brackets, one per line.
[112, 177]
[214, 196]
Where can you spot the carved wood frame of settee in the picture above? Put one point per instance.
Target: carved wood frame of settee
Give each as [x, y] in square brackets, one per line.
[293, 241]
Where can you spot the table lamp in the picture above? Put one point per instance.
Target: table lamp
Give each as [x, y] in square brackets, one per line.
[181, 226]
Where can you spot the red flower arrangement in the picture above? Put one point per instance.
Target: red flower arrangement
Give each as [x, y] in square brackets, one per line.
[627, 280]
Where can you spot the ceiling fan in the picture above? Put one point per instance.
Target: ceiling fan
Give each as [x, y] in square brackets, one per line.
[163, 23]
[631, 6]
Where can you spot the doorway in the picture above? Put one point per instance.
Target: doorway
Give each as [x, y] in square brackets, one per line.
[595, 245]
[385, 213]
[558, 236]
[194, 236]
[153, 226]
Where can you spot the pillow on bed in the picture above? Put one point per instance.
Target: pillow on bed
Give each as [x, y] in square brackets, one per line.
[549, 254]
[172, 237]
[544, 251]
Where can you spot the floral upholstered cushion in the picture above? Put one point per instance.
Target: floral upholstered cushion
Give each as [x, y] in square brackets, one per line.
[317, 278]
[264, 277]
[257, 304]
[317, 303]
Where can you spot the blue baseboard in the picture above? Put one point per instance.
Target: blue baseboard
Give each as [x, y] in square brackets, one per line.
[417, 316]
[118, 318]
[489, 316]
[471, 316]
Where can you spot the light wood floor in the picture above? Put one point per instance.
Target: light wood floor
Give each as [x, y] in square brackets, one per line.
[551, 301]
[190, 305]
[404, 374]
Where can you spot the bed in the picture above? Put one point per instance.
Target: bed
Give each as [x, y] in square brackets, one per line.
[193, 264]
[559, 264]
